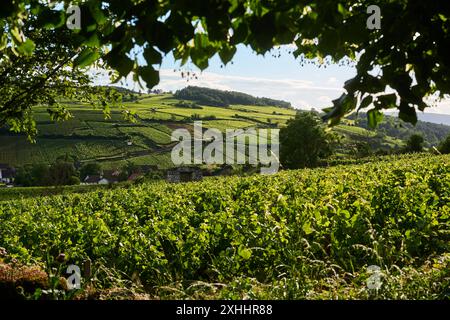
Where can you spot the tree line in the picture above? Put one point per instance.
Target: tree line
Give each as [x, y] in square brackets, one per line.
[219, 98]
[66, 170]
[61, 172]
[432, 133]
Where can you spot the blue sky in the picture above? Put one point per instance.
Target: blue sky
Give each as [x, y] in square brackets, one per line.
[280, 78]
[283, 78]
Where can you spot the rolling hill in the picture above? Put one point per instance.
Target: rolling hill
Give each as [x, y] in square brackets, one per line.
[88, 136]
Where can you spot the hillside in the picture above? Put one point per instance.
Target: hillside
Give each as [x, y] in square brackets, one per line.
[88, 136]
[435, 118]
[220, 98]
[392, 126]
[389, 136]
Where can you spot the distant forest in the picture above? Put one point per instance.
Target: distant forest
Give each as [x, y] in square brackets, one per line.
[433, 133]
[219, 98]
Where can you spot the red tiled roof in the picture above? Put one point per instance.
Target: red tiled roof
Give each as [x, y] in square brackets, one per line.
[134, 176]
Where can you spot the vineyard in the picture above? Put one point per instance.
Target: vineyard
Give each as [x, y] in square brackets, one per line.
[306, 234]
[89, 136]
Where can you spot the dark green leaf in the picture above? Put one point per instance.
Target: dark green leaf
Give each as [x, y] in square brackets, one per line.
[386, 101]
[371, 84]
[374, 117]
[365, 102]
[150, 76]
[120, 62]
[227, 53]
[51, 19]
[407, 113]
[152, 56]
[26, 47]
[161, 36]
[345, 104]
[97, 13]
[240, 33]
[85, 58]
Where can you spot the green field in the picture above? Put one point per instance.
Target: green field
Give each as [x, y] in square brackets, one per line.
[305, 234]
[89, 136]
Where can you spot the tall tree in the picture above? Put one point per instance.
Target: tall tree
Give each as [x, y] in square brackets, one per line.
[304, 141]
[444, 146]
[45, 76]
[90, 169]
[63, 173]
[415, 143]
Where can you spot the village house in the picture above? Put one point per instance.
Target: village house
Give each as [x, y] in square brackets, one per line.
[93, 179]
[111, 176]
[134, 176]
[184, 174]
[7, 174]
[107, 177]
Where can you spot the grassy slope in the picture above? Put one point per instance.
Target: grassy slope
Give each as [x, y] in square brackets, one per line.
[90, 136]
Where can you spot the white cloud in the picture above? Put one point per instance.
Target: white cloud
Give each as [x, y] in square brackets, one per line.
[302, 104]
[442, 106]
[303, 94]
[324, 99]
[332, 80]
